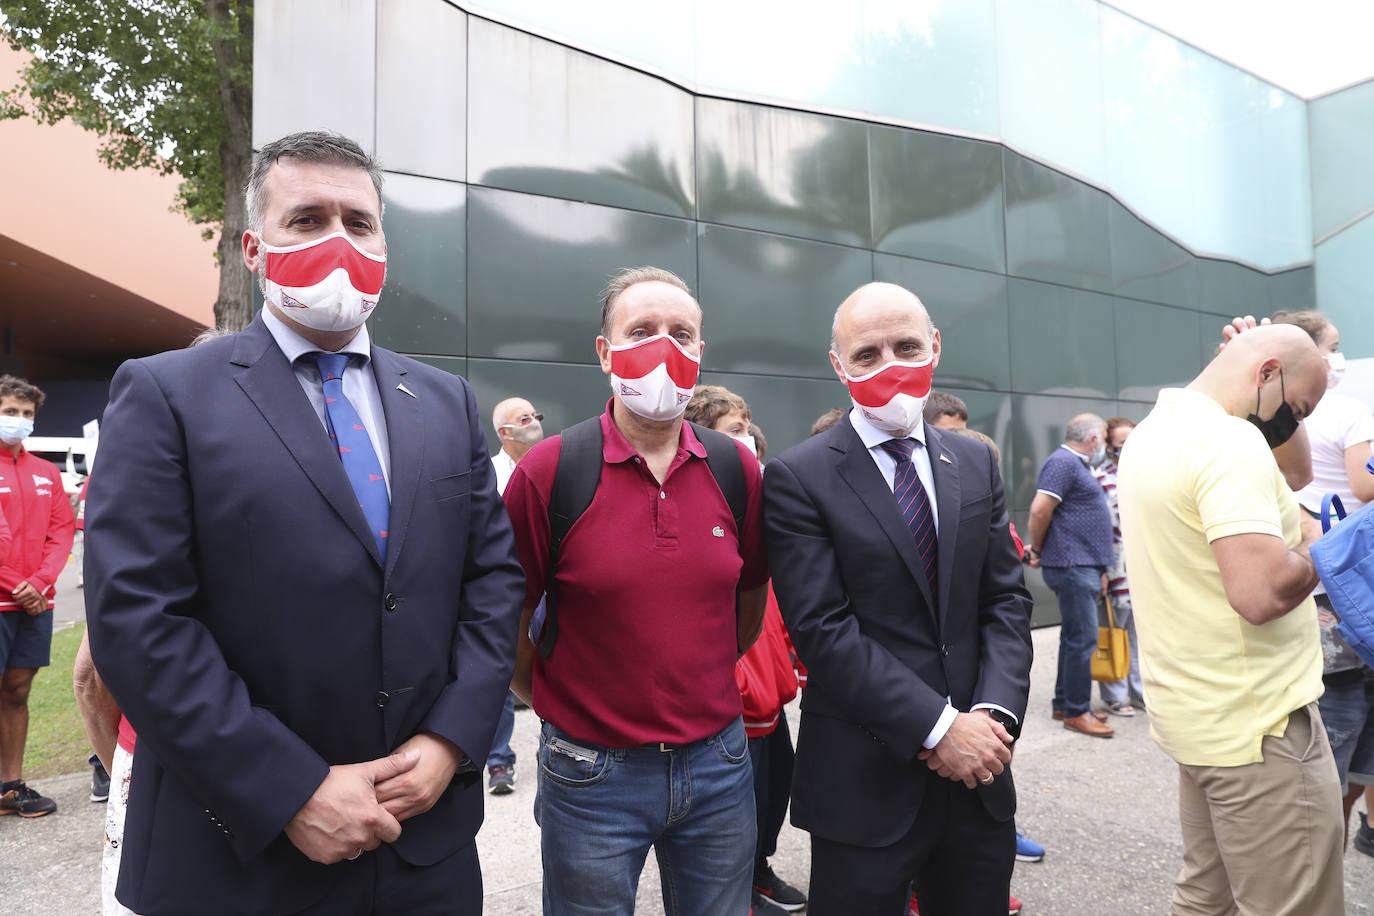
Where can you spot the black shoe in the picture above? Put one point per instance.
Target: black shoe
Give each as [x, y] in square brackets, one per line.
[100, 781]
[775, 890]
[1364, 837]
[760, 905]
[502, 781]
[25, 802]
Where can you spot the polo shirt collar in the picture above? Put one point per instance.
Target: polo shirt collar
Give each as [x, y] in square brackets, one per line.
[872, 437]
[294, 346]
[615, 448]
[1076, 453]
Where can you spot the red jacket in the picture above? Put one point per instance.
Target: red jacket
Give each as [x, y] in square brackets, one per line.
[40, 521]
[765, 676]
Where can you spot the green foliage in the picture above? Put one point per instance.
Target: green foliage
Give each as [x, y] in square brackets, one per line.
[140, 73]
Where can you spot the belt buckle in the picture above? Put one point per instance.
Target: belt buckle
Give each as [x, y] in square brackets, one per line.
[665, 747]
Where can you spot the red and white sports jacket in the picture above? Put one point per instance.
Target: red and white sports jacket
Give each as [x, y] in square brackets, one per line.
[41, 525]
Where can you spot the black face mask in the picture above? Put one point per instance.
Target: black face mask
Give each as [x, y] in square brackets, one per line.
[1279, 428]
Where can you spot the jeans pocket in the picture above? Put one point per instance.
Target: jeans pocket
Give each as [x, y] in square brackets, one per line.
[732, 744]
[573, 764]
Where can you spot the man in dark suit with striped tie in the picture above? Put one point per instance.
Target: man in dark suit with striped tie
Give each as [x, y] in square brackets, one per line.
[301, 586]
[896, 574]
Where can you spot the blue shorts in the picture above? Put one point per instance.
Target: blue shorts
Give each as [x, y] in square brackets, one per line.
[25, 641]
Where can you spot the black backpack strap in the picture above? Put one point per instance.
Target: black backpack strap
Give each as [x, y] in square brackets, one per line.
[574, 486]
[723, 458]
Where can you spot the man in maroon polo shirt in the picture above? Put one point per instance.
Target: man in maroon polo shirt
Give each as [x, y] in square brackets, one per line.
[657, 595]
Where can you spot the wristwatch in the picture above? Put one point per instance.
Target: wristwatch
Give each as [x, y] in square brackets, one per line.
[1033, 550]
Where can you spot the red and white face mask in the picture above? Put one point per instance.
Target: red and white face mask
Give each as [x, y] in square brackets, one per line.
[328, 284]
[654, 377]
[893, 397]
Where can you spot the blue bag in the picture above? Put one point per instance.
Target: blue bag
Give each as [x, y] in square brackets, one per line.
[1344, 558]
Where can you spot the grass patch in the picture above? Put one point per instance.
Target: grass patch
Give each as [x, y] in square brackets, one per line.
[57, 740]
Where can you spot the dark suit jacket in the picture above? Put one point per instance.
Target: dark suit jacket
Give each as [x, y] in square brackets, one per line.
[240, 616]
[882, 655]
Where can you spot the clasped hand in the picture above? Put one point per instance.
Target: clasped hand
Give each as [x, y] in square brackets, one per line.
[975, 748]
[360, 806]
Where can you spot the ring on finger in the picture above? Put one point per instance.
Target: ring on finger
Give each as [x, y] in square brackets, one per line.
[985, 780]
[355, 855]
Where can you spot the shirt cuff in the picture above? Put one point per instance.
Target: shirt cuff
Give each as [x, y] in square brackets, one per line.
[1002, 709]
[942, 725]
[1050, 493]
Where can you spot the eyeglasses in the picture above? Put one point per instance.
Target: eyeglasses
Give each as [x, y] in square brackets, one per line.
[526, 420]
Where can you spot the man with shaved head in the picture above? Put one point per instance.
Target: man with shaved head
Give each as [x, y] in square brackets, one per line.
[896, 575]
[1069, 536]
[1217, 549]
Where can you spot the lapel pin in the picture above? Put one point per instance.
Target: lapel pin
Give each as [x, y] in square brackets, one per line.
[412, 394]
[945, 458]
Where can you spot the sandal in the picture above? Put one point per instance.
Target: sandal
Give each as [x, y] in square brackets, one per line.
[1121, 709]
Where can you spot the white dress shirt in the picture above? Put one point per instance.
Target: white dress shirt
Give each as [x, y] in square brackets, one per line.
[504, 465]
[359, 382]
[873, 439]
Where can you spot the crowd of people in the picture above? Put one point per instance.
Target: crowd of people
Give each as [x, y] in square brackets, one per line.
[315, 601]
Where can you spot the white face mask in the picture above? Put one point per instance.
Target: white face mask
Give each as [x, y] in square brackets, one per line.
[1335, 364]
[328, 284]
[14, 430]
[893, 397]
[749, 443]
[654, 377]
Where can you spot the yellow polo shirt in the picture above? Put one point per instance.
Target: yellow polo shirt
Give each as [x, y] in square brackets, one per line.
[1215, 684]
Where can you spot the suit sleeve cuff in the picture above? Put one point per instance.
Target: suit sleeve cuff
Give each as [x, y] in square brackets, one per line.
[942, 725]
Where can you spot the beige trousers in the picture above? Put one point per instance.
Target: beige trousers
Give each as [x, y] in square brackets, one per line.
[1265, 838]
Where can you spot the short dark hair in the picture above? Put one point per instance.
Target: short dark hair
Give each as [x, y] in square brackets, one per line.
[322, 146]
[14, 387]
[629, 276]
[827, 420]
[711, 402]
[942, 404]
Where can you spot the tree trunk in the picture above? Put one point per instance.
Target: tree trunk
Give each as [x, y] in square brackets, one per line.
[233, 47]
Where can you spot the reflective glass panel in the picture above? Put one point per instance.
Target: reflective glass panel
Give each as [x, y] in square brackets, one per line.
[561, 123]
[422, 82]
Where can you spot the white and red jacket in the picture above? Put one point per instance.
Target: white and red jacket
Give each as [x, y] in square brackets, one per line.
[41, 524]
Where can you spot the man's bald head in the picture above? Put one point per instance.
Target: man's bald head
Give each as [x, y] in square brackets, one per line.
[879, 323]
[510, 410]
[1259, 356]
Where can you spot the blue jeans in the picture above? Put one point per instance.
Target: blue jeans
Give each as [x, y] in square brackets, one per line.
[600, 809]
[501, 753]
[1077, 588]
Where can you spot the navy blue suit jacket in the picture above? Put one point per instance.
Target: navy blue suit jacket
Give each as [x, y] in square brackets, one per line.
[241, 618]
[882, 655]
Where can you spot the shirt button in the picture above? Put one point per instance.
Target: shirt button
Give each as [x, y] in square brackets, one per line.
[390, 602]
[382, 699]
[636, 459]
[662, 495]
[944, 650]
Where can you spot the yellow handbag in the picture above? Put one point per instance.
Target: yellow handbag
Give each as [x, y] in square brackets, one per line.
[1112, 658]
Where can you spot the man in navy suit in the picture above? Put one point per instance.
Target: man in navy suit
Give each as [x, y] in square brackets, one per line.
[895, 572]
[301, 585]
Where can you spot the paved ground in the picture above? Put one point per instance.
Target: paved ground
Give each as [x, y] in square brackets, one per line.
[1106, 810]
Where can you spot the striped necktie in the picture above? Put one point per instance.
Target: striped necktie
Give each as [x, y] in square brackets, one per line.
[359, 458]
[914, 504]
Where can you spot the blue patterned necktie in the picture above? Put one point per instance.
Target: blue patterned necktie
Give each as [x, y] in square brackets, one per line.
[355, 448]
[914, 503]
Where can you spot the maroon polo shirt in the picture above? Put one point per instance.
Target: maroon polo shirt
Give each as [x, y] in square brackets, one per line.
[646, 593]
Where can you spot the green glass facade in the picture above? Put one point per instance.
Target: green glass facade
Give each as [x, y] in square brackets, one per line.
[522, 172]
